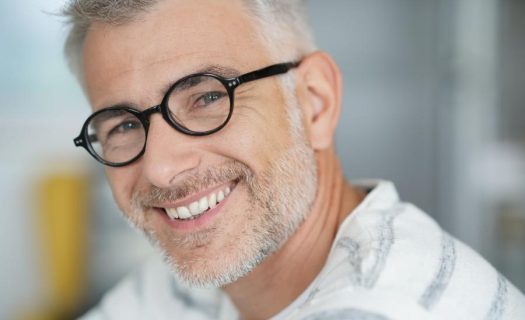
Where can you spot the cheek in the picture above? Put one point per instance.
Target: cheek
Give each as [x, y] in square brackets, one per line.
[258, 132]
[254, 145]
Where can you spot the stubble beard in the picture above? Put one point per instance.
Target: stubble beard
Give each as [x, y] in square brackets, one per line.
[279, 200]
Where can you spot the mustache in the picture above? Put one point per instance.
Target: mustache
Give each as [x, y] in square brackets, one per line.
[153, 196]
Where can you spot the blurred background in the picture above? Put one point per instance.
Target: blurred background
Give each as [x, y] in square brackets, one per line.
[434, 100]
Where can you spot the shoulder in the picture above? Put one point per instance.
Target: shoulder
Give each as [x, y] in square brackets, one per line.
[152, 292]
[390, 260]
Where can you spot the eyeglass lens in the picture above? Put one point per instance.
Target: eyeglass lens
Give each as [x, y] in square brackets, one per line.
[199, 104]
[116, 135]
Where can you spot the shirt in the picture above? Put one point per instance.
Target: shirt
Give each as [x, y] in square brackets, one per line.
[389, 260]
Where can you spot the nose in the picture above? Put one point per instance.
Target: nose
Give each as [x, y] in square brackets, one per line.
[168, 155]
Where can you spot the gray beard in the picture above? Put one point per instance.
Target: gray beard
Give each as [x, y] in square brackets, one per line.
[280, 199]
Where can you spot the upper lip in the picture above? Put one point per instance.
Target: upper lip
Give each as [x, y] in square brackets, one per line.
[197, 196]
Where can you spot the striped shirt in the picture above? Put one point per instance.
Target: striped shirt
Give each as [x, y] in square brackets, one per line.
[389, 260]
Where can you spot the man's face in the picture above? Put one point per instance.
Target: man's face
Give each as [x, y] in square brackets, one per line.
[271, 174]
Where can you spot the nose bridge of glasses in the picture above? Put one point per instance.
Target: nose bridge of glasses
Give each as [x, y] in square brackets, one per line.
[146, 114]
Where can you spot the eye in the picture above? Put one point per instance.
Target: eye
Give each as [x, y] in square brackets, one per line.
[124, 127]
[209, 98]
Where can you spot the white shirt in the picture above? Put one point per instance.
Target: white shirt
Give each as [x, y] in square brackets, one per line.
[389, 260]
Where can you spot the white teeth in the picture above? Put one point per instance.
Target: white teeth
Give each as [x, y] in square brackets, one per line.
[172, 213]
[198, 207]
[194, 208]
[184, 213]
[212, 200]
[203, 204]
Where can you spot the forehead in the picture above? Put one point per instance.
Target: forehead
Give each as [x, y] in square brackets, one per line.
[174, 38]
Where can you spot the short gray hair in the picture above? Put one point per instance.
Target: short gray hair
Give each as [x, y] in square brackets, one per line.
[283, 25]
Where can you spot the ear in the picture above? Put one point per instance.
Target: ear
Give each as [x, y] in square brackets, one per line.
[319, 95]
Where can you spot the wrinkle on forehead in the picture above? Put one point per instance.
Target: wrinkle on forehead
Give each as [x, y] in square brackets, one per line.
[224, 71]
[136, 70]
[145, 56]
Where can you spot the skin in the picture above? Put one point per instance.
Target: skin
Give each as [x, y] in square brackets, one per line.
[134, 62]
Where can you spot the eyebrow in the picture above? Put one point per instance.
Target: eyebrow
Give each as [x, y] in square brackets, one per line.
[223, 71]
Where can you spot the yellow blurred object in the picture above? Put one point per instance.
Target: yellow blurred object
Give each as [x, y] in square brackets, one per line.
[38, 315]
[63, 202]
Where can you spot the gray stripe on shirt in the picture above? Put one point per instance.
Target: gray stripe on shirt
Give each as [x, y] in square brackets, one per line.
[497, 306]
[352, 249]
[345, 314]
[354, 258]
[386, 239]
[447, 263]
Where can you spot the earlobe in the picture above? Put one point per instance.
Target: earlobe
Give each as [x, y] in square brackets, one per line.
[319, 94]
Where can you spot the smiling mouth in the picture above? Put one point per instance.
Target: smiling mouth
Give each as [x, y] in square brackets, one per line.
[199, 207]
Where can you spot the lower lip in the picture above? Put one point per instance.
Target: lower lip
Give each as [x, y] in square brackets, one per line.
[197, 223]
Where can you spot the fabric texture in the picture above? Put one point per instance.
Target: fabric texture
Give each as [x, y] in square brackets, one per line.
[389, 260]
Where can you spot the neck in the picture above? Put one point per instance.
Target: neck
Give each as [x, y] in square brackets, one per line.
[283, 276]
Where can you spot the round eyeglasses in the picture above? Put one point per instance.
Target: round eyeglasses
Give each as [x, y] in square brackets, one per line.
[197, 105]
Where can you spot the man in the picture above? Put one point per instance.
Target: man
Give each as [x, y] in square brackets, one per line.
[215, 121]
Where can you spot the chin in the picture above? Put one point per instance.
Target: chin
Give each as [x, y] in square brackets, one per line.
[209, 271]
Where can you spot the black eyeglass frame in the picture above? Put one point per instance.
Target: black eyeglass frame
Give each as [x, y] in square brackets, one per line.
[84, 139]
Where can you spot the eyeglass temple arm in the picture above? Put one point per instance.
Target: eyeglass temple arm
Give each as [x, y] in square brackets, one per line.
[267, 72]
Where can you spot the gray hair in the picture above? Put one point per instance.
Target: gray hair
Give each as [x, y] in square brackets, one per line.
[283, 25]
